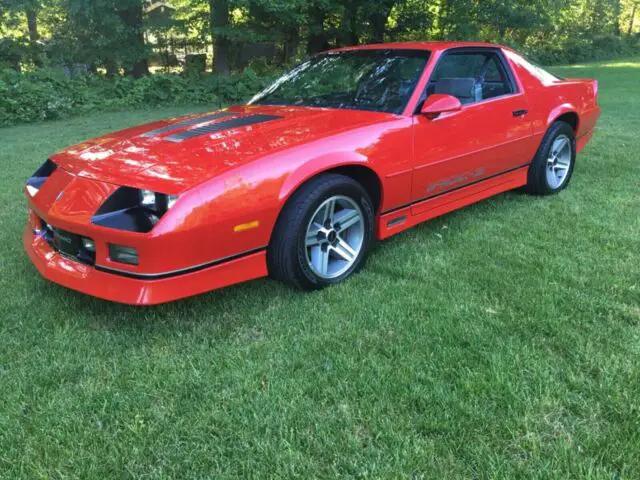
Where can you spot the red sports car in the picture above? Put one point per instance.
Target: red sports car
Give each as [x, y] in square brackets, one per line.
[352, 146]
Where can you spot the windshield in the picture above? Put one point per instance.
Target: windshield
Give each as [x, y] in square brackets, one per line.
[376, 80]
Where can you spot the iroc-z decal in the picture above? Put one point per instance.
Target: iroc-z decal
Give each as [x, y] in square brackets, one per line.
[458, 179]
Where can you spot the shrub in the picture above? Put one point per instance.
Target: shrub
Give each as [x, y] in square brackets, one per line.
[578, 48]
[48, 94]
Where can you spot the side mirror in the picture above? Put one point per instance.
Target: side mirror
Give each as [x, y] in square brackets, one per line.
[438, 103]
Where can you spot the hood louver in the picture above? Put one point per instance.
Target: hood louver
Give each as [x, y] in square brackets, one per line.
[187, 123]
[218, 127]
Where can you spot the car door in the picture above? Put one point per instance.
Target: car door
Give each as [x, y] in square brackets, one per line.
[491, 134]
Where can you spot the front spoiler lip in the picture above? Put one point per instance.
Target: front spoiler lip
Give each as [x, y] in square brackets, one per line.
[133, 291]
[176, 273]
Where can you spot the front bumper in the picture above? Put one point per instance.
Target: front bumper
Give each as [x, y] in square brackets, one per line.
[134, 291]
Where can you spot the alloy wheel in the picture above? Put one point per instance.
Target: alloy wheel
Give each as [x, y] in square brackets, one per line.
[559, 162]
[334, 237]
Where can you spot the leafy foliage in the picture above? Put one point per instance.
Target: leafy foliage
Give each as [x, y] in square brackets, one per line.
[49, 94]
[110, 34]
[122, 38]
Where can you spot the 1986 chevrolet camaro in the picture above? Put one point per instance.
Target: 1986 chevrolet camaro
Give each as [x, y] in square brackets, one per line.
[351, 146]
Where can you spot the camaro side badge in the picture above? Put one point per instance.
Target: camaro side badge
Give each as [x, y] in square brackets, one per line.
[461, 178]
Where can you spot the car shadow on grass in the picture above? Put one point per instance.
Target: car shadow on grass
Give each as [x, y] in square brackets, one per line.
[237, 306]
[431, 231]
[227, 309]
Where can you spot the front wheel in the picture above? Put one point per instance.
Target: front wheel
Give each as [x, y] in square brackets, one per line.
[552, 167]
[323, 234]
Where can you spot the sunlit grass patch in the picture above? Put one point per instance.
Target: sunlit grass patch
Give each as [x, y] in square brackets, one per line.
[499, 341]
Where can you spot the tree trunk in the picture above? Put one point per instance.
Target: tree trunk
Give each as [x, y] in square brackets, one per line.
[140, 68]
[633, 17]
[32, 25]
[14, 62]
[317, 35]
[291, 43]
[112, 68]
[219, 11]
[317, 43]
[617, 10]
[350, 23]
[378, 20]
[377, 29]
[132, 17]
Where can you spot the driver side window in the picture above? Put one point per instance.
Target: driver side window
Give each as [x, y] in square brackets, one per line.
[471, 77]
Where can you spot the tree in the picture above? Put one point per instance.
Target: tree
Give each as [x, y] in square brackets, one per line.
[102, 32]
[317, 14]
[278, 22]
[131, 14]
[111, 33]
[412, 20]
[219, 10]
[635, 6]
[350, 28]
[377, 15]
[30, 8]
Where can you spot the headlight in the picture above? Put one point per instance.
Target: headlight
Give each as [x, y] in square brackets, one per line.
[148, 199]
[171, 201]
[41, 175]
[157, 202]
[134, 210]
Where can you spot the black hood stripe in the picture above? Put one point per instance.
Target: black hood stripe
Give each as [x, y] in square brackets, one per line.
[187, 123]
[220, 126]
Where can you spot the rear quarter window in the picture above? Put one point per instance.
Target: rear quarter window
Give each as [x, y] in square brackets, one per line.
[533, 69]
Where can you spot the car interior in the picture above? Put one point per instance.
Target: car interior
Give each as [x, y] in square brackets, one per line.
[389, 85]
[470, 77]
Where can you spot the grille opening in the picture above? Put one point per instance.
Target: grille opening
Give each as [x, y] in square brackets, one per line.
[69, 244]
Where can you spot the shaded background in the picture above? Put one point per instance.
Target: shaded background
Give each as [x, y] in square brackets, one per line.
[61, 57]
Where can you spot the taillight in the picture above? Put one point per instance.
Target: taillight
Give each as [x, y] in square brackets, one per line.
[596, 88]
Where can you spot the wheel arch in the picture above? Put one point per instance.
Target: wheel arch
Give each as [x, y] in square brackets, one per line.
[358, 170]
[567, 114]
[356, 167]
[366, 177]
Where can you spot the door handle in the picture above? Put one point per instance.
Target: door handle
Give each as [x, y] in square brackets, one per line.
[520, 113]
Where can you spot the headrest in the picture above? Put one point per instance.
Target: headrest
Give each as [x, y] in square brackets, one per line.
[458, 87]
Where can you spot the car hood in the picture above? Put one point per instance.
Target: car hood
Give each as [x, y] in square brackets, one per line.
[173, 155]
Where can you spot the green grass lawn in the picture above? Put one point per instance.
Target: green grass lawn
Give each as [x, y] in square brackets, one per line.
[500, 341]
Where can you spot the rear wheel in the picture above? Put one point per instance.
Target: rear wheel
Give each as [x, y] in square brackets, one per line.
[552, 167]
[323, 234]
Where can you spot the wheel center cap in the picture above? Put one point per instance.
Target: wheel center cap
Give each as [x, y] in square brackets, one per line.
[332, 236]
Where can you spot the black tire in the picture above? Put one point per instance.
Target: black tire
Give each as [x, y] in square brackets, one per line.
[537, 182]
[287, 252]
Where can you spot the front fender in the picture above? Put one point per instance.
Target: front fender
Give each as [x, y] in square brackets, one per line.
[318, 165]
